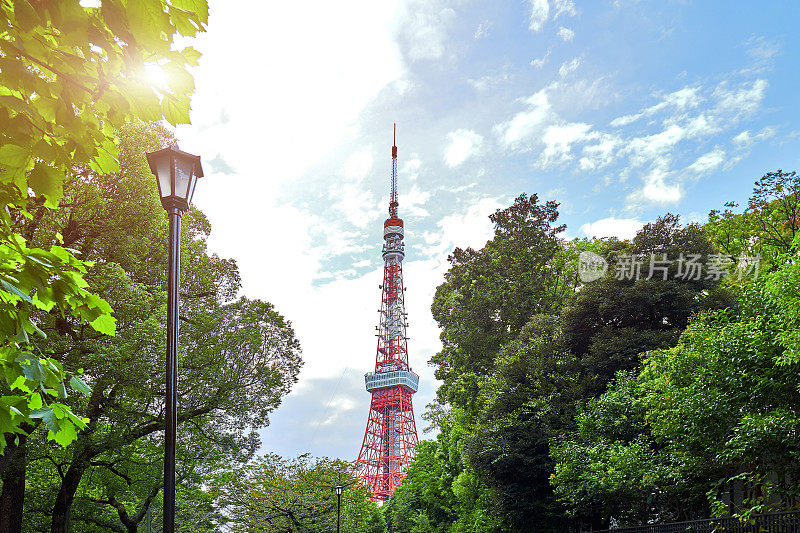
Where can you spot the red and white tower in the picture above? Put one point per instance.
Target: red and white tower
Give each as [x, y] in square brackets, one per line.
[390, 440]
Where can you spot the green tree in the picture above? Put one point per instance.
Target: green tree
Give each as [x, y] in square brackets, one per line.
[273, 494]
[238, 356]
[487, 298]
[442, 490]
[769, 225]
[69, 76]
[612, 320]
[489, 294]
[525, 402]
[719, 406]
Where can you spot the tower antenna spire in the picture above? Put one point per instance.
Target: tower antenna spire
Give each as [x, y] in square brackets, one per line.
[393, 203]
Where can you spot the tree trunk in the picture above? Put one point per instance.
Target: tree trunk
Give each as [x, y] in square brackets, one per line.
[12, 498]
[66, 495]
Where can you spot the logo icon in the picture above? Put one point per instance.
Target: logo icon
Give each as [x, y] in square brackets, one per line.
[591, 266]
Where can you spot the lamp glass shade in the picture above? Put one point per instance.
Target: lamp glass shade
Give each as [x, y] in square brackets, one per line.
[163, 172]
[184, 169]
[339, 489]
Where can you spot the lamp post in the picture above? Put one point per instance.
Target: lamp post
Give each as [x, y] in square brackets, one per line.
[339, 489]
[176, 173]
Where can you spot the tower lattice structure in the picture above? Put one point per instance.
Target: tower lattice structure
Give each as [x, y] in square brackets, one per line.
[390, 439]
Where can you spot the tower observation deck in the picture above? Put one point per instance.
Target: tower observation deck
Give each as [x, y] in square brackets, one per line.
[390, 440]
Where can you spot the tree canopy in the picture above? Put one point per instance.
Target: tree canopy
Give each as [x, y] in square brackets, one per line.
[661, 389]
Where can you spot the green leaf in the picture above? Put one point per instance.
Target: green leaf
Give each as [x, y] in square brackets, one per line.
[147, 20]
[47, 181]
[190, 55]
[105, 162]
[48, 416]
[25, 14]
[198, 7]
[178, 78]
[182, 21]
[79, 385]
[105, 324]
[32, 368]
[13, 103]
[176, 109]
[14, 156]
[14, 290]
[65, 435]
[35, 401]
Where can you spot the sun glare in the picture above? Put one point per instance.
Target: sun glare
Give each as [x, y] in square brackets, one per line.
[155, 76]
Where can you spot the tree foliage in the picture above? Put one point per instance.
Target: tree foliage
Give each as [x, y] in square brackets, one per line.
[489, 294]
[706, 426]
[69, 76]
[620, 397]
[273, 494]
[720, 404]
[610, 321]
[237, 356]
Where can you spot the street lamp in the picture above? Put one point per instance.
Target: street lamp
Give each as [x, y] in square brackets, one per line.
[339, 490]
[176, 173]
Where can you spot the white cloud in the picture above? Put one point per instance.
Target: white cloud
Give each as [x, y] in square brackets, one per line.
[742, 101]
[600, 154]
[487, 82]
[540, 12]
[573, 95]
[483, 30]
[539, 63]
[470, 228]
[708, 162]
[539, 125]
[413, 201]
[687, 97]
[357, 165]
[761, 48]
[519, 132]
[410, 169]
[650, 147]
[657, 190]
[569, 66]
[463, 144]
[745, 139]
[702, 125]
[684, 98]
[558, 140]
[622, 228]
[625, 120]
[564, 7]
[566, 34]
[357, 205]
[684, 117]
[462, 188]
[763, 53]
[425, 33]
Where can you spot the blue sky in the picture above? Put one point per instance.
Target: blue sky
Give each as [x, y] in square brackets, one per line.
[620, 110]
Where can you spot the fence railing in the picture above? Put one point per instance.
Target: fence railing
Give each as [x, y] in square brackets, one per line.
[785, 522]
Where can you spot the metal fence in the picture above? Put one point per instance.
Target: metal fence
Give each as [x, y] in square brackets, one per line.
[786, 522]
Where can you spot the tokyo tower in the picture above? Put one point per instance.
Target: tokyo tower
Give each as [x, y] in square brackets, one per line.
[390, 439]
